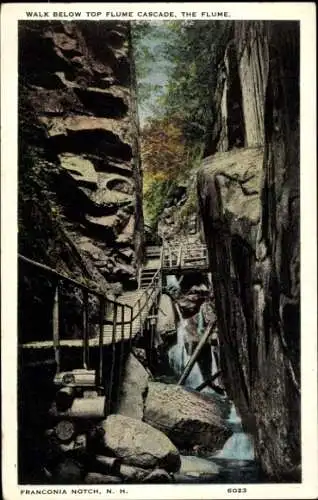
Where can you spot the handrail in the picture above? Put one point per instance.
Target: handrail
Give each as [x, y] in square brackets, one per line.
[190, 254]
[85, 288]
[151, 285]
[147, 292]
[61, 276]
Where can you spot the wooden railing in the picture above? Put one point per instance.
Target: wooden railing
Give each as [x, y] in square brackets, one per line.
[184, 256]
[153, 251]
[118, 315]
[105, 305]
[127, 313]
[147, 299]
[115, 313]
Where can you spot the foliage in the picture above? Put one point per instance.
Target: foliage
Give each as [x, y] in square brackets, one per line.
[191, 205]
[163, 150]
[184, 113]
[157, 195]
[164, 160]
[196, 53]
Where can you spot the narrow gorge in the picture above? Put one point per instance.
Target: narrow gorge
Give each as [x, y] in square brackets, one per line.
[159, 252]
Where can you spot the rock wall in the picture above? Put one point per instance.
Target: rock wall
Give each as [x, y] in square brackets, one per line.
[80, 201]
[252, 54]
[240, 89]
[249, 201]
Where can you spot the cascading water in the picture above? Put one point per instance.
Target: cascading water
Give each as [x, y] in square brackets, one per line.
[239, 447]
[178, 357]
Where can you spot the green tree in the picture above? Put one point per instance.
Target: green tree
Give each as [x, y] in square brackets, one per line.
[196, 52]
[165, 160]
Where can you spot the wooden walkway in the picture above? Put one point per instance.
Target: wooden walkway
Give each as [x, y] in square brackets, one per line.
[122, 329]
[181, 259]
[125, 318]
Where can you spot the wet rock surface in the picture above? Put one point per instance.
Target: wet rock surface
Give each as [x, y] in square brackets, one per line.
[249, 202]
[77, 151]
[138, 444]
[133, 389]
[167, 317]
[187, 418]
[197, 467]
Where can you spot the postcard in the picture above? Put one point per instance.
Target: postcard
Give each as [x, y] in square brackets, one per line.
[158, 250]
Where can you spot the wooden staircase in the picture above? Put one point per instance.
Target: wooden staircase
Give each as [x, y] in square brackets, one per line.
[145, 277]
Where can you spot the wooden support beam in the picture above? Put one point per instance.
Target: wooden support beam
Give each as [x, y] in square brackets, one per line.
[121, 356]
[64, 398]
[179, 261]
[140, 317]
[82, 408]
[112, 366]
[65, 430]
[102, 313]
[85, 331]
[130, 329]
[56, 328]
[196, 353]
[208, 382]
[217, 388]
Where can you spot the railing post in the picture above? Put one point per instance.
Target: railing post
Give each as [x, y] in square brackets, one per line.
[85, 330]
[121, 356]
[161, 256]
[112, 367]
[56, 328]
[131, 328]
[151, 328]
[179, 257]
[102, 313]
[139, 314]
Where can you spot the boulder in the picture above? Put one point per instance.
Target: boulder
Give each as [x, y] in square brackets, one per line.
[167, 319]
[69, 471]
[190, 304]
[158, 476]
[141, 355]
[198, 467]
[122, 271]
[130, 473]
[138, 444]
[133, 389]
[97, 478]
[200, 289]
[187, 418]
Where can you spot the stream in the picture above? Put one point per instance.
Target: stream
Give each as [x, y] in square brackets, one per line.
[235, 461]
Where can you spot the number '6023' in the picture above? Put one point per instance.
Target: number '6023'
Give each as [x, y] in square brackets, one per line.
[236, 490]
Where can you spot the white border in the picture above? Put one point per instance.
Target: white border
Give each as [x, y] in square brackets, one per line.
[305, 12]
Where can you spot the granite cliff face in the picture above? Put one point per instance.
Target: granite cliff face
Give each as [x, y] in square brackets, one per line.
[240, 89]
[249, 201]
[80, 202]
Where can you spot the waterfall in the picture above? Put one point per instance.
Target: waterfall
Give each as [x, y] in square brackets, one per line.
[173, 285]
[240, 445]
[178, 356]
